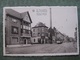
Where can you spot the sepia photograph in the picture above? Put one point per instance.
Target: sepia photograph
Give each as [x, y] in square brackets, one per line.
[40, 31]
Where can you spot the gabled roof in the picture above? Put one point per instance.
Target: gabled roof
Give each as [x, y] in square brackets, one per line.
[40, 24]
[24, 14]
[16, 14]
[13, 13]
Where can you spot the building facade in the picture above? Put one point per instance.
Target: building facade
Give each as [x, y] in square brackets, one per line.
[40, 33]
[17, 27]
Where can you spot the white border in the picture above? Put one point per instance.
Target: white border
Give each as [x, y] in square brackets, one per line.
[55, 54]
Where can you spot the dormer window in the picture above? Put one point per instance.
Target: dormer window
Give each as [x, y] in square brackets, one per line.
[14, 20]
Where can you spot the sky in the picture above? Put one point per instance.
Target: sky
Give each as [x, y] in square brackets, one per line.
[64, 18]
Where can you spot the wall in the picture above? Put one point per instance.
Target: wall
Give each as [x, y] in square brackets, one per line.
[9, 30]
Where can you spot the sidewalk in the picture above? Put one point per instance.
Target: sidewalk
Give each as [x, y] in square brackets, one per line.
[20, 45]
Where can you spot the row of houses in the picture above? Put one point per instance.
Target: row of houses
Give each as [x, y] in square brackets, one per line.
[18, 30]
[41, 34]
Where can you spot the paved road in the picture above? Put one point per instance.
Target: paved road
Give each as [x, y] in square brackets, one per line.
[43, 48]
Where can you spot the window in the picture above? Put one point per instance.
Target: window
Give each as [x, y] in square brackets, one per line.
[15, 38]
[21, 26]
[34, 40]
[21, 30]
[14, 20]
[26, 27]
[33, 30]
[38, 34]
[26, 31]
[33, 34]
[42, 29]
[14, 30]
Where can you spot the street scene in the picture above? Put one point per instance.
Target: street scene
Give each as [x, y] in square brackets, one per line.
[41, 30]
[43, 48]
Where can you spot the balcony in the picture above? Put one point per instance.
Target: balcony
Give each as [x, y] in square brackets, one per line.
[25, 35]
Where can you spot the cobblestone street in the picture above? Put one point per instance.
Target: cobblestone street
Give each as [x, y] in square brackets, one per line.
[43, 48]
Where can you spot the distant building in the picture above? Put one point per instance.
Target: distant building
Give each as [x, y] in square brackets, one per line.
[58, 36]
[17, 27]
[75, 34]
[39, 33]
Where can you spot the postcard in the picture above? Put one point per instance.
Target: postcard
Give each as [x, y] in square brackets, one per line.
[40, 31]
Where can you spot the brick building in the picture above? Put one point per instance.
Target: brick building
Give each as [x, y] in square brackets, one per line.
[17, 27]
